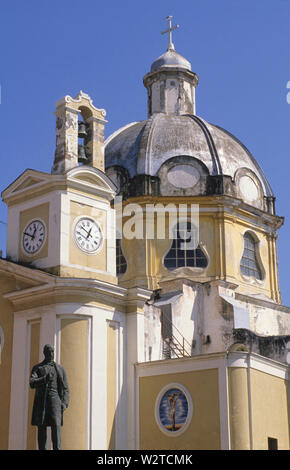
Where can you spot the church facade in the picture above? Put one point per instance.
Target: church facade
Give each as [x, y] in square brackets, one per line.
[149, 262]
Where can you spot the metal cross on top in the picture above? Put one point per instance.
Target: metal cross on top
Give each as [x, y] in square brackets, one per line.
[169, 31]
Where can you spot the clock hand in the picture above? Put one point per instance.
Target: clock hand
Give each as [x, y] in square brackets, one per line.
[89, 233]
[33, 236]
[25, 233]
[83, 236]
[84, 229]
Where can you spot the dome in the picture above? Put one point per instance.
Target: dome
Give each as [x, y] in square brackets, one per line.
[171, 58]
[146, 147]
[176, 153]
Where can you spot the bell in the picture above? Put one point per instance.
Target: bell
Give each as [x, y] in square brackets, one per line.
[82, 130]
[82, 158]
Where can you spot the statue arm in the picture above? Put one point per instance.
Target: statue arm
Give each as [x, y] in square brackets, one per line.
[36, 381]
[65, 397]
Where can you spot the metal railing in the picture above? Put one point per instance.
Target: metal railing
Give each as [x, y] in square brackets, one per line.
[171, 344]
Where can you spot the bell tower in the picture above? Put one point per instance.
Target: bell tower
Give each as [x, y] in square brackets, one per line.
[79, 134]
[63, 222]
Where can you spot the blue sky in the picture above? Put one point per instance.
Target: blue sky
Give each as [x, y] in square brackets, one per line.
[239, 48]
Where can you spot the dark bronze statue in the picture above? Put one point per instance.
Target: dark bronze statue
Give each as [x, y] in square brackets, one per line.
[51, 398]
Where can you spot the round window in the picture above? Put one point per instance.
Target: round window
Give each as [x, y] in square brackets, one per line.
[183, 176]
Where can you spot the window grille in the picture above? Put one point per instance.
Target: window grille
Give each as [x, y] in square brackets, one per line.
[121, 263]
[180, 253]
[249, 264]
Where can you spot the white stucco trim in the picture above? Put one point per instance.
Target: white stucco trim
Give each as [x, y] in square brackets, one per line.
[241, 313]
[26, 390]
[13, 224]
[50, 317]
[18, 395]
[111, 242]
[137, 420]
[88, 200]
[135, 353]
[173, 366]
[64, 233]
[224, 407]
[257, 362]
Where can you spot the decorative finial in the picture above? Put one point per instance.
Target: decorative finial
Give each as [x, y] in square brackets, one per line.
[169, 31]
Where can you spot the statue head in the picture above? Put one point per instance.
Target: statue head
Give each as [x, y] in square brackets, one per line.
[48, 352]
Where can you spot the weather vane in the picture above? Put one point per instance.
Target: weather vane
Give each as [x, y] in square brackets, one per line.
[169, 31]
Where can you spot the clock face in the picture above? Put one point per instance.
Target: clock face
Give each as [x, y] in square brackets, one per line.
[88, 235]
[33, 237]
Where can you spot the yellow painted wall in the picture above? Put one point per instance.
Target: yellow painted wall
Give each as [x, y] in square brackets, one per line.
[261, 399]
[42, 212]
[78, 257]
[111, 385]
[221, 236]
[74, 358]
[6, 322]
[203, 431]
[269, 410]
[34, 359]
[234, 248]
[239, 408]
[145, 257]
[68, 271]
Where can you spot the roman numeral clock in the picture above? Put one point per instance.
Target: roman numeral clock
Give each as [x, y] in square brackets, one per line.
[33, 237]
[88, 235]
[63, 224]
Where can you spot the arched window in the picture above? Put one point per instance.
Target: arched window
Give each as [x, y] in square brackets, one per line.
[180, 253]
[249, 263]
[121, 263]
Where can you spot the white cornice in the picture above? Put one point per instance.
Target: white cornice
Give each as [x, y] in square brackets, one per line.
[223, 205]
[237, 359]
[256, 361]
[93, 290]
[86, 179]
[262, 302]
[29, 173]
[24, 273]
[78, 99]
[176, 362]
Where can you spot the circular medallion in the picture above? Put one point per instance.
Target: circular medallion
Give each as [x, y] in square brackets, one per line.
[88, 235]
[183, 176]
[248, 189]
[33, 237]
[173, 409]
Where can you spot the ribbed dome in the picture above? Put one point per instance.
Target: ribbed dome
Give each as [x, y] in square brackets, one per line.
[142, 147]
[170, 59]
